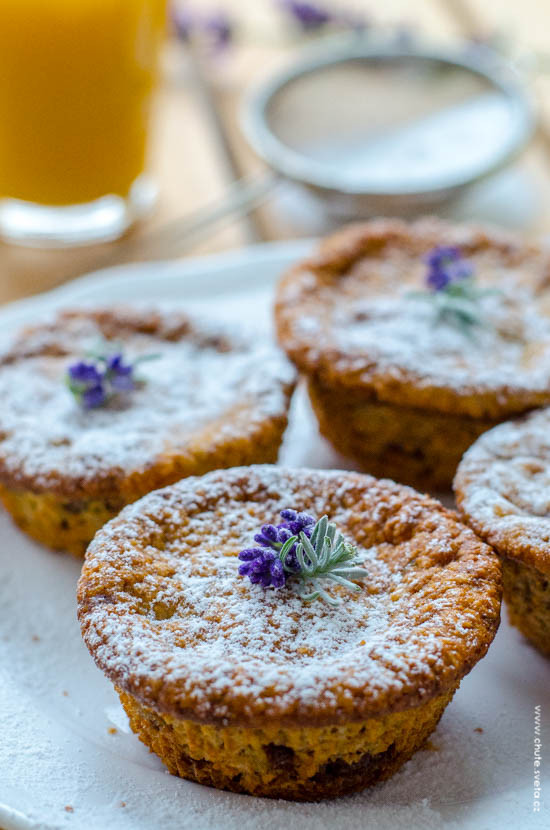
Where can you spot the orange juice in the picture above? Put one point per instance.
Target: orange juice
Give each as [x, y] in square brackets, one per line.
[76, 78]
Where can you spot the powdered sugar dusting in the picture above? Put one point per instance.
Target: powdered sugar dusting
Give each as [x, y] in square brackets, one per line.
[503, 486]
[201, 381]
[364, 319]
[402, 333]
[178, 615]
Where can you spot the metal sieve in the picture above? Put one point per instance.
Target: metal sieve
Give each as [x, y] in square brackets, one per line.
[389, 128]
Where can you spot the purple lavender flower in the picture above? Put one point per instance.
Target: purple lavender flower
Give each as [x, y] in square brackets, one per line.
[274, 537]
[183, 22]
[85, 380]
[301, 522]
[295, 524]
[269, 534]
[219, 28]
[94, 396]
[262, 564]
[446, 266]
[96, 381]
[215, 26]
[264, 568]
[83, 372]
[284, 533]
[308, 15]
[119, 374]
[248, 554]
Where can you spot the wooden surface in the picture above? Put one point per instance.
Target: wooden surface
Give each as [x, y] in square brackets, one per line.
[192, 171]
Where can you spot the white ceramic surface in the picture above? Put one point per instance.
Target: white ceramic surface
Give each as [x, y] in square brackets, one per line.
[67, 757]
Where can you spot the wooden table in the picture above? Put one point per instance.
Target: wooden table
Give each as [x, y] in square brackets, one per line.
[186, 158]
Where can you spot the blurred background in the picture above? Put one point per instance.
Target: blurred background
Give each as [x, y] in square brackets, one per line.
[214, 52]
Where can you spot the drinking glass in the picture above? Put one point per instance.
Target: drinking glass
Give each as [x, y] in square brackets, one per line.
[76, 87]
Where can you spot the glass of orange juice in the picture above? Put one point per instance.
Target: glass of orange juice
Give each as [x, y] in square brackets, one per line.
[76, 85]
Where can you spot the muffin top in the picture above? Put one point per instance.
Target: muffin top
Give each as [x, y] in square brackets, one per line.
[502, 488]
[168, 618]
[205, 390]
[358, 316]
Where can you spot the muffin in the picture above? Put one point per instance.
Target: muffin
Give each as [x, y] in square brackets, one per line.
[415, 339]
[256, 690]
[503, 491]
[69, 463]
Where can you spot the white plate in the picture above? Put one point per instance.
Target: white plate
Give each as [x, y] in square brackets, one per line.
[67, 757]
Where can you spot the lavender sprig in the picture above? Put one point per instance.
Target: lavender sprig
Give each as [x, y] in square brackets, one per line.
[446, 267]
[216, 27]
[452, 289]
[219, 28]
[103, 376]
[311, 16]
[262, 564]
[303, 552]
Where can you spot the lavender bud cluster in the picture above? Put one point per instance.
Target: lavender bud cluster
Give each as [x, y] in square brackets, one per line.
[262, 564]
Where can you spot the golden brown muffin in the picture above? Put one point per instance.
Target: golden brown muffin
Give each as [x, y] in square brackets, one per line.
[503, 491]
[395, 387]
[208, 400]
[253, 689]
